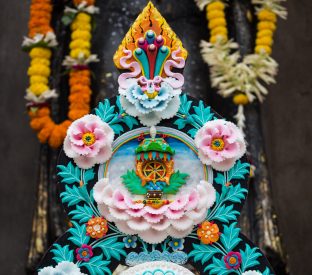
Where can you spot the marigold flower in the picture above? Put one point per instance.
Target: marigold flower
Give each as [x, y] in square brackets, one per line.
[79, 43]
[263, 49]
[215, 14]
[240, 99]
[97, 227]
[216, 23]
[39, 70]
[83, 17]
[80, 53]
[39, 52]
[38, 79]
[266, 40]
[267, 15]
[79, 34]
[264, 25]
[38, 88]
[41, 61]
[216, 5]
[208, 232]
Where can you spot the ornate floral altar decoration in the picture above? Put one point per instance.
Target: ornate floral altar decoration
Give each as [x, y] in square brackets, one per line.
[153, 180]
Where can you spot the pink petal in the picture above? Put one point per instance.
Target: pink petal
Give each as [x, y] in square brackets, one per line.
[136, 213]
[192, 200]
[118, 214]
[98, 190]
[138, 224]
[153, 218]
[119, 200]
[179, 203]
[223, 165]
[179, 234]
[84, 162]
[153, 237]
[162, 225]
[183, 223]
[133, 205]
[158, 211]
[123, 227]
[104, 211]
[68, 150]
[174, 214]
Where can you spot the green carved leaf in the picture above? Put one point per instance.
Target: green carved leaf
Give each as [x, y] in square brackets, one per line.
[225, 214]
[82, 213]
[235, 193]
[202, 114]
[239, 170]
[112, 248]
[177, 179]
[97, 266]
[62, 253]
[105, 111]
[133, 183]
[74, 195]
[249, 257]
[87, 175]
[203, 253]
[229, 237]
[78, 234]
[69, 173]
[217, 267]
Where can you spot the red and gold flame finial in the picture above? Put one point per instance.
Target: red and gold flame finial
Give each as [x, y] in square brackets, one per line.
[149, 22]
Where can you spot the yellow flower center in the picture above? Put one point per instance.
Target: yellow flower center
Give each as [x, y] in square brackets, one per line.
[217, 144]
[176, 243]
[88, 138]
[129, 241]
[151, 95]
[84, 253]
[232, 260]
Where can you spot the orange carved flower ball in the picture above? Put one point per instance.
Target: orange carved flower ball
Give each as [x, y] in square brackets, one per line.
[208, 232]
[97, 227]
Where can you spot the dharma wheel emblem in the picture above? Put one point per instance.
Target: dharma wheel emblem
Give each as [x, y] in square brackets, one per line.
[154, 172]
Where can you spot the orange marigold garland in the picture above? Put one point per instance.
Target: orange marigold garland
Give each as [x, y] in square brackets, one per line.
[41, 39]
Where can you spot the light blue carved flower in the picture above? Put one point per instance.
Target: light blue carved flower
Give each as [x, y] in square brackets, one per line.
[178, 257]
[63, 268]
[176, 244]
[150, 111]
[130, 241]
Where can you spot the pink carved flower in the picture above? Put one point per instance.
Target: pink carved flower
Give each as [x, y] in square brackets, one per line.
[220, 143]
[84, 253]
[232, 260]
[89, 141]
[131, 216]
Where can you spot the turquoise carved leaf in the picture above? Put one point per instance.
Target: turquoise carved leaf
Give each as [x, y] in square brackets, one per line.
[203, 253]
[217, 267]
[62, 253]
[112, 248]
[249, 257]
[225, 214]
[69, 173]
[96, 265]
[82, 213]
[78, 234]
[230, 237]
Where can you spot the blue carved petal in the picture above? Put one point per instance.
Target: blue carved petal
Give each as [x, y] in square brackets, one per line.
[149, 103]
[138, 93]
[164, 93]
[161, 106]
[141, 109]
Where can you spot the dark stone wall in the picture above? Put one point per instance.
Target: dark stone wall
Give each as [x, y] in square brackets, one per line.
[286, 121]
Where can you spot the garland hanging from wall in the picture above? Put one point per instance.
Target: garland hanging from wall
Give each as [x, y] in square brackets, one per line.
[40, 42]
[233, 75]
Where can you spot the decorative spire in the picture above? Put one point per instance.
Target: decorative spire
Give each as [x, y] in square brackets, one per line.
[154, 57]
[148, 37]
